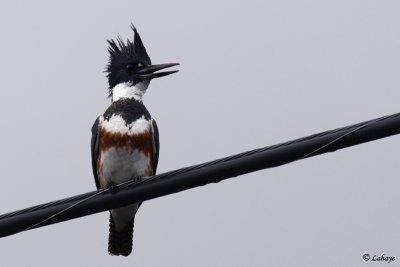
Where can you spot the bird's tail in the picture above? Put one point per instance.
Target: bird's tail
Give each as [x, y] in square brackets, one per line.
[120, 243]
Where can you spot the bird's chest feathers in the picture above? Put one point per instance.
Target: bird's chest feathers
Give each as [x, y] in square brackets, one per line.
[126, 150]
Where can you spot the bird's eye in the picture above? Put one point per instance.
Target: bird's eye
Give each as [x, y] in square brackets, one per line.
[139, 65]
[129, 67]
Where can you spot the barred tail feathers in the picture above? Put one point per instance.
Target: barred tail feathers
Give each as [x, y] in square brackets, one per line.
[120, 242]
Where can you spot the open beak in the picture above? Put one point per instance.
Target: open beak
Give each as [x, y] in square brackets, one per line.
[150, 71]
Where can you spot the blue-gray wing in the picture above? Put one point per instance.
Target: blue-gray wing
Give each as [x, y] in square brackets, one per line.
[95, 150]
[156, 145]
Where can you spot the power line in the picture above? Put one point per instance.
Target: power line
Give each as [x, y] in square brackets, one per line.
[198, 175]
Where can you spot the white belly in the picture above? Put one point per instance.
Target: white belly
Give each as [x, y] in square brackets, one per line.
[121, 165]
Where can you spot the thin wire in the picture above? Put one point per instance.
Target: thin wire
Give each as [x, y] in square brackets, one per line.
[255, 151]
[332, 142]
[101, 191]
[66, 209]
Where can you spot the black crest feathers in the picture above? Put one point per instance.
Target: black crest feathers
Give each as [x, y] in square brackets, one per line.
[125, 53]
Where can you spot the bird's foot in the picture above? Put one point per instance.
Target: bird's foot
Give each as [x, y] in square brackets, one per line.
[112, 187]
[137, 179]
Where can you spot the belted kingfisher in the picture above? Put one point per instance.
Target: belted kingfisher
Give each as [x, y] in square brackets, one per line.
[125, 143]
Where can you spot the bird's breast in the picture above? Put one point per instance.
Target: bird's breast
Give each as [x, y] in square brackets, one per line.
[125, 150]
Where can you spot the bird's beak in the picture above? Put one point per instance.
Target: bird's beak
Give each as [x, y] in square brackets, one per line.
[150, 71]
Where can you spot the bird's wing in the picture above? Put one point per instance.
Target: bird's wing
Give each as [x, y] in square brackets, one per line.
[156, 144]
[95, 150]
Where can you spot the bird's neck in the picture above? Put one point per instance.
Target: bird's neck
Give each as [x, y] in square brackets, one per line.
[126, 90]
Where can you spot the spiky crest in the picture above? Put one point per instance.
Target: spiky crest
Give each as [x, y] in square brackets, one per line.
[122, 54]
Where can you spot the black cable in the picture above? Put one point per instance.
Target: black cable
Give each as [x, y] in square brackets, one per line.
[198, 175]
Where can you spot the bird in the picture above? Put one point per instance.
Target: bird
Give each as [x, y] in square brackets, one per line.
[125, 139]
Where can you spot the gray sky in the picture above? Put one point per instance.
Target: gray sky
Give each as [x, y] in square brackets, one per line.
[252, 74]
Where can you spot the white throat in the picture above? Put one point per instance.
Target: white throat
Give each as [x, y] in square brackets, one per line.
[126, 90]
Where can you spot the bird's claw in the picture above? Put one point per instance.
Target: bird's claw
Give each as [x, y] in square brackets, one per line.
[112, 187]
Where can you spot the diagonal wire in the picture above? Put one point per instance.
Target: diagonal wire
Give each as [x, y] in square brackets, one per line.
[347, 133]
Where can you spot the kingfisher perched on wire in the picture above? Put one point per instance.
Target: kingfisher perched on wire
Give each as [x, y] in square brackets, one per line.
[125, 142]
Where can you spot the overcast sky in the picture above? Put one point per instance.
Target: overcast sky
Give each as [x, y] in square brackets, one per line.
[252, 74]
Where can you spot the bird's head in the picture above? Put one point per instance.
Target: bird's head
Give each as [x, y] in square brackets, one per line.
[130, 65]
